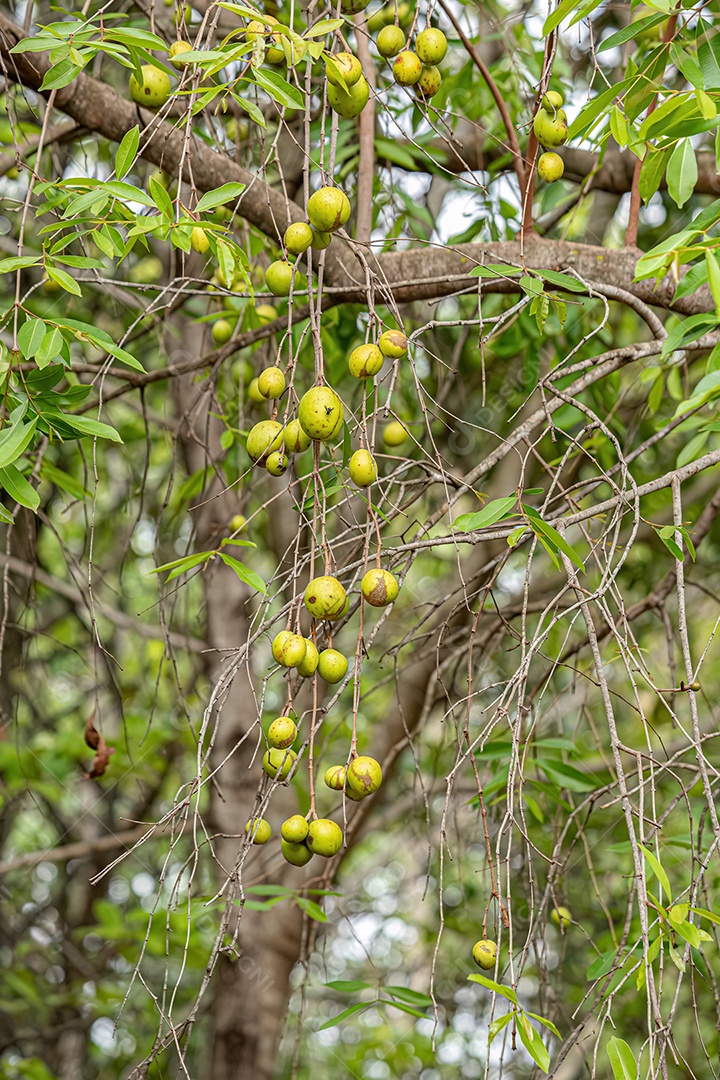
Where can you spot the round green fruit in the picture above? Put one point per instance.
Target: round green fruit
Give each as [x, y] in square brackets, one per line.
[277, 463]
[484, 953]
[238, 522]
[328, 209]
[552, 101]
[263, 439]
[347, 65]
[431, 45]
[294, 829]
[325, 599]
[320, 240]
[277, 643]
[430, 81]
[295, 438]
[351, 102]
[393, 344]
[365, 361]
[332, 666]
[290, 651]
[146, 271]
[561, 917]
[278, 277]
[222, 331]
[282, 734]
[362, 468]
[550, 166]
[550, 130]
[394, 433]
[183, 15]
[390, 41]
[259, 829]
[163, 178]
[271, 382]
[266, 313]
[278, 763]
[176, 53]
[324, 837]
[298, 238]
[334, 777]
[154, 90]
[199, 241]
[254, 394]
[353, 7]
[379, 588]
[309, 664]
[297, 854]
[320, 413]
[364, 776]
[407, 68]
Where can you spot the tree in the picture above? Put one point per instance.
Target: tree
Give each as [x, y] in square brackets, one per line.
[541, 695]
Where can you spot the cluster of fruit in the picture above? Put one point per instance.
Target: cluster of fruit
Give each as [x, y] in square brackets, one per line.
[551, 130]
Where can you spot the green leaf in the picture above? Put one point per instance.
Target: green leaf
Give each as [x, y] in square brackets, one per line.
[533, 1043]
[50, 347]
[15, 440]
[64, 280]
[657, 870]
[84, 425]
[311, 909]
[713, 273]
[18, 262]
[652, 172]
[563, 281]
[569, 7]
[63, 480]
[360, 1006]
[539, 526]
[18, 488]
[489, 984]
[546, 1023]
[279, 90]
[622, 1059]
[490, 513]
[682, 172]
[61, 74]
[324, 26]
[30, 336]
[414, 997]
[244, 573]
[179, 566]
[602, 965]
[567, 776]
[402, 1007]
[705, 914]
[498, 1024]
[219, 196]
[161, 198]
[631, 31]
[347, 986]
[126, 152]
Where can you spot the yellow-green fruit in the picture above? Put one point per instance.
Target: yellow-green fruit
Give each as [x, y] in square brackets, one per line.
[430, 81]
[259, 829]
[362, 468]
[332, 666]
[265, 313]
[294, 829]
[199, 241]
[298, 238]
[364, 776]
[320, 413]
[222, 331]
[163, 178]
[550, 130]
[278, 277]
[352, 7]
[154, 90]
[379, 588]
[176, 50]
[263, 439]
[431, 45]
[407, 68]
[271, 382]
[278, 763]
[324, 837]
[325, 598]
[254, 394]
[484, 953]
[390, 41]
[291, 652]
[393, 344]
[351, 102]
[349, 67]
[282, 734]
[297, 854]
[183, 15]
[334, 777]
[365, 361]
[277, 643]
[552, 101]
[238, 522]
[328, 209]
[550, 166]
[277, 463]
[146, 271]
[394, 434]
[310, 662]
[561, 917]
[295, 438]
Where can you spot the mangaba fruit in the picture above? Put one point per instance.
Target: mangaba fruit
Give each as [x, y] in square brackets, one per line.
[407, 68]
[365, 361]
[282, 733]
[298, 238]
[393, 344]
[334, 777]
[320, 413]
[259, 829]
[295, 438]
[362, 468]
[297, 854]
[561, 917]
[332, 666]
[431, 45]
[154, 90]
[263, 439]
[310, 661]
[324, 837]
[328, 209]
[325, 599]
[278, 763]
[364, 776]
[550, 130]
[348, 65]
[390, 41]
[550, 166]
[379, 588]
[271, 382]
[351, 102]
[294, 829]
[484, 953]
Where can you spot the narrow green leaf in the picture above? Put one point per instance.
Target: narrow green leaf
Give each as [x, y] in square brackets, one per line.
[533, 1043]
[228, 193]
[621, 1059]
[18, 262]
[504, 991]
[64, 280]
[243, 572]
[127, 152]
[498, 1024]
[360, 1006]
[402, 1007]
[414, 997]
[50, 347]
[311, 909]
[186, 563]
[657, 870]
[682, 172]
[15, 441]
[492, 512]
[30, 336]
[347, 986]
[18, 488]
[713, 272]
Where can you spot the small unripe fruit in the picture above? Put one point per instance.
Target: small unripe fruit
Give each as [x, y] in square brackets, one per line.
[350, 103]
[484, 953]
[295, 438]
[320, 240]
[297, 854]
[379, 588]
[407, 68]
[561, 917]
[430, 82]
[277, 463]
[390, 41]
[550, 166]
[238, 522]
[394, 434]
[176, 50]
[334, 777]
[365, 361]
[254, 394]
[349, 67]
[550, 130]
[431, 45]
[154, 90]
[222, 331]
[325, 598]
[320, 413]
[263, 439]
[271, 382]
[265, 313]
[163, 178]
[183, 15]
[199, 241]
[552, 101]
[282, 733]
[259, 829]
[364, 776]
[393, 344]
[291, 651]
[324, 837]
[278, 277]
[332, 666]
[298, 238]
[362, 468]
[278, 763]
[294, 829]
[310, 661]
[277, 643]
[328, 209]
